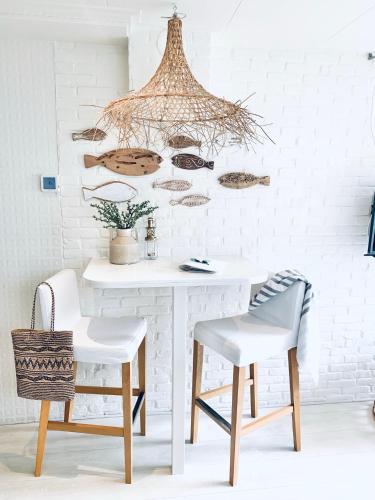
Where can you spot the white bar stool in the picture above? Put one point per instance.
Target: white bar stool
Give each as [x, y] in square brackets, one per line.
[96, 340]
[243, 340]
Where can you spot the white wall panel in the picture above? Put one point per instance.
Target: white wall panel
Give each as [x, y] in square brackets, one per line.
[30, 221]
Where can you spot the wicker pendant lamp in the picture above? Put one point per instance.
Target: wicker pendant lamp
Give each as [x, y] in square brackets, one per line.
[174, 103]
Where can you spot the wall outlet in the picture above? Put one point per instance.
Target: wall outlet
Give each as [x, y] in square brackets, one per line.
[48, 183]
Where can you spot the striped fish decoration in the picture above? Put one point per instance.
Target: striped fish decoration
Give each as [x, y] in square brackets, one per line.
[308, 340]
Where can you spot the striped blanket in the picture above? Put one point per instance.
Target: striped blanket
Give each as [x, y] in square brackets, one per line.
[308, 341]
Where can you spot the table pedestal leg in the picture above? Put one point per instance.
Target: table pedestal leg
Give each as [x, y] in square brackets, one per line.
[179, 327]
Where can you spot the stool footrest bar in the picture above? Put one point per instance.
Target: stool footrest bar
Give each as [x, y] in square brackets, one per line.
[220, 390]
[216, 417]
[273, 415]
[106, 391]
[104, 430]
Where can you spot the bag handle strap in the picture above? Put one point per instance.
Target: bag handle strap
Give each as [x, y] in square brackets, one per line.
[52, 325]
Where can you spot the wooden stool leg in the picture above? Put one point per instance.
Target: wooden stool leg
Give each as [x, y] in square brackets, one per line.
[295, 397]
[196, 384]
[42, 434]
[236, 428]
[142, 383]
[254, 390]
[128, 418]
[68, 408]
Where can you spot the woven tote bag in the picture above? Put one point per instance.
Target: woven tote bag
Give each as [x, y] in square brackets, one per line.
[44, 360]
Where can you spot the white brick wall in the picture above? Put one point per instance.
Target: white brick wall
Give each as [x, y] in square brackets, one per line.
[313, 217]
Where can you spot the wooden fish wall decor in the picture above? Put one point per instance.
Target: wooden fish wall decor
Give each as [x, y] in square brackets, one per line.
[131, 161]
[115, 191]
[241, 180]
[191, 162]
[183, 141]
[173, 185]
[90, 134]
[192, 200]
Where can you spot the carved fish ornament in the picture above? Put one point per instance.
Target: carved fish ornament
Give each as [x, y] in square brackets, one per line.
[90, 134]
[183, 141]
[191, 162]
[241, 180]
[131, 161]
[173, 185]
[115, 191]
[192, 200]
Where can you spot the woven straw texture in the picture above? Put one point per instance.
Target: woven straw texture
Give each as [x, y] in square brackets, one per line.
[44, 359]
[174, 103]
[44, 364]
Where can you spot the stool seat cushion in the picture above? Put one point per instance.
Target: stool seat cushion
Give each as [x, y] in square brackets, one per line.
[108, 340]
[245, 339]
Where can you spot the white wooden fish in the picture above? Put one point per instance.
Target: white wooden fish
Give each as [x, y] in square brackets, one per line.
[192, 200]
[115, 191]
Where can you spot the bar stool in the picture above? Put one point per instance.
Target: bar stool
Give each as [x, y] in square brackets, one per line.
[96, 340]
[244, 340]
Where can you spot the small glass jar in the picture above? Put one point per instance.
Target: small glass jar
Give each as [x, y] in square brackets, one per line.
[151, 242]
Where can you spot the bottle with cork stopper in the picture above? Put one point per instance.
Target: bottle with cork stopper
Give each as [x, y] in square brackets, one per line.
[151, 247]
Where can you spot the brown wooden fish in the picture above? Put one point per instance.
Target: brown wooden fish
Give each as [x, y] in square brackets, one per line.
[241, 180]
[183, 141]
[90, 134]
[191, 162]
[131, 161]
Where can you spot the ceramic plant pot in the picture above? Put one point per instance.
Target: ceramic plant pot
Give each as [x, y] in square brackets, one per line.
[124, 248]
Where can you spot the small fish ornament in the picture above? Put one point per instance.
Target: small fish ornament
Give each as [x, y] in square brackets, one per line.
[173, 185]
[115, 191]
[182, 142]
[191, 162]
[130, 161]
[90, 134]
[192, 200]
[241, 180]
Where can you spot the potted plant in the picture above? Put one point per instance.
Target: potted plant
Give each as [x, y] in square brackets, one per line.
[123, 248]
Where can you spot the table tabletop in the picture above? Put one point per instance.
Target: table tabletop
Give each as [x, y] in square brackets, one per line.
[164, 272]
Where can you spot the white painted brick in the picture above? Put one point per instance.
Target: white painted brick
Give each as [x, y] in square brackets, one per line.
[63, 92]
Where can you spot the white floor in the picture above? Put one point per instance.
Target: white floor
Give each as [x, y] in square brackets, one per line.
[337, 462]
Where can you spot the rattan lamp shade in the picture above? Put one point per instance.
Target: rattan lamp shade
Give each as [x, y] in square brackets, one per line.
[174, 103]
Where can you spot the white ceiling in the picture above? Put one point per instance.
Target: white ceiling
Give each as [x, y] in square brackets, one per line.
[339, 24]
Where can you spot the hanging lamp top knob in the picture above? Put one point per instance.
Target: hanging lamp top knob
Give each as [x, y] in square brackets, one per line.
[176, 14]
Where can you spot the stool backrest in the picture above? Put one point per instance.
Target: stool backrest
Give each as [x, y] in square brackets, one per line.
[285, 308]
[68, 311]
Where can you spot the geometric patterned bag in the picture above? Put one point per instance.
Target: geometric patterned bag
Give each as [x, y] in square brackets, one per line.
[44, 360]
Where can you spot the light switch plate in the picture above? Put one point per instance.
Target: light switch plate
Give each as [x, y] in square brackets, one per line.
[48, 183]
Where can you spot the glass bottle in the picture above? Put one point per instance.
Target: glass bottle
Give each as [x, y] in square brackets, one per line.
[151, 245]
